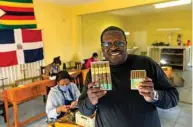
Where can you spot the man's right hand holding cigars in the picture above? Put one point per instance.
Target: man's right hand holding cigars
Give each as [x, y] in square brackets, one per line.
[95, 93]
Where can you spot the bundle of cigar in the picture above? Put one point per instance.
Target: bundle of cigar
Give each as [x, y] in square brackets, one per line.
[137, 76]
[100, 72]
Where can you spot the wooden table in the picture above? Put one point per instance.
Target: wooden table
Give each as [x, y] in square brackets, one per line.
[73, 73]
[22, 94]
[62, 122]
[25, 93]
[57, 124]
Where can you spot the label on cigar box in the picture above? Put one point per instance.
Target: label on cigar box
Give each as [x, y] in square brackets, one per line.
[135, 83]
[136, 78]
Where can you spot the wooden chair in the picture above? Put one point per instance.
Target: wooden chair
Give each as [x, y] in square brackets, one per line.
[42, 71]
[83, 65]
[70, 65]
[64, 67]
[84, 74]
[78, 80]
[78, 65]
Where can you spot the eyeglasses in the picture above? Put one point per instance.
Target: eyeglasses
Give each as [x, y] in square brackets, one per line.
[110, 44]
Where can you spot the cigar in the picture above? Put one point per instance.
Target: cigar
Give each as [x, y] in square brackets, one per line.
[100, 74]
[135, 74]
[109, 83]
[97, 75]
[93, 72]
[105, 84]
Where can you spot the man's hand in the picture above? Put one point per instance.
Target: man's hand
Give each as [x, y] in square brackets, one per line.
[63, 108]
[146, 89]
[73, 104]
[95, 93]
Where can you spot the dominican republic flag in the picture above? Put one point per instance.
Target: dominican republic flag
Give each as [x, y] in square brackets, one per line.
[20, 46]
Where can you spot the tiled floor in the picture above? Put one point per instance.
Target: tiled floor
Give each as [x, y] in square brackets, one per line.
[180, 116]
[185, 92]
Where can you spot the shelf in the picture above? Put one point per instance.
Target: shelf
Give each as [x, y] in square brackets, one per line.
[175, 65]
[175, 54]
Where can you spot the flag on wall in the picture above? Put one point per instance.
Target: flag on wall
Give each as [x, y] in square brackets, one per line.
[20, 46]
[17, 14]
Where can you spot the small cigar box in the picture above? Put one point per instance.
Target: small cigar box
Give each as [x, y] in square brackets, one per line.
[136, 78]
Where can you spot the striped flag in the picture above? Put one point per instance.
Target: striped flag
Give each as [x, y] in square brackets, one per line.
[17, 14]
[20, 46]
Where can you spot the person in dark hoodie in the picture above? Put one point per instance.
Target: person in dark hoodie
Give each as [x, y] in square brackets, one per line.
[124, 107]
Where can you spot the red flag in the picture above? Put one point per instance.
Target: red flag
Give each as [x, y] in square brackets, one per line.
[8, 58]
[29, 36]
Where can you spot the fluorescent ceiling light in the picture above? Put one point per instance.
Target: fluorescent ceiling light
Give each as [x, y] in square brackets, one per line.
[169, 29]
[127, 33]
[172, 3]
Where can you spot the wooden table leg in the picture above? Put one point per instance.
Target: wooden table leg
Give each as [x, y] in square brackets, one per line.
[4, 114]
[7, 112]
[15, 114]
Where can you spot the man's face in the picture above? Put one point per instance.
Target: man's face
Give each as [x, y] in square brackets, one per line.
[114, 47]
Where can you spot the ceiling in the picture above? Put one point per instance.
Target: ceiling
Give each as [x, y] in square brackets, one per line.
[148, 9]
[70, 2]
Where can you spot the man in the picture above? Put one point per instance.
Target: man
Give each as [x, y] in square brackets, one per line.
[62, 97]
[123, 107]
[92, 59]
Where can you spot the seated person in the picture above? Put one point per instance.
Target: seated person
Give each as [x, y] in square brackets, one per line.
[53, 68]
[62, 97]
[92, 59]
